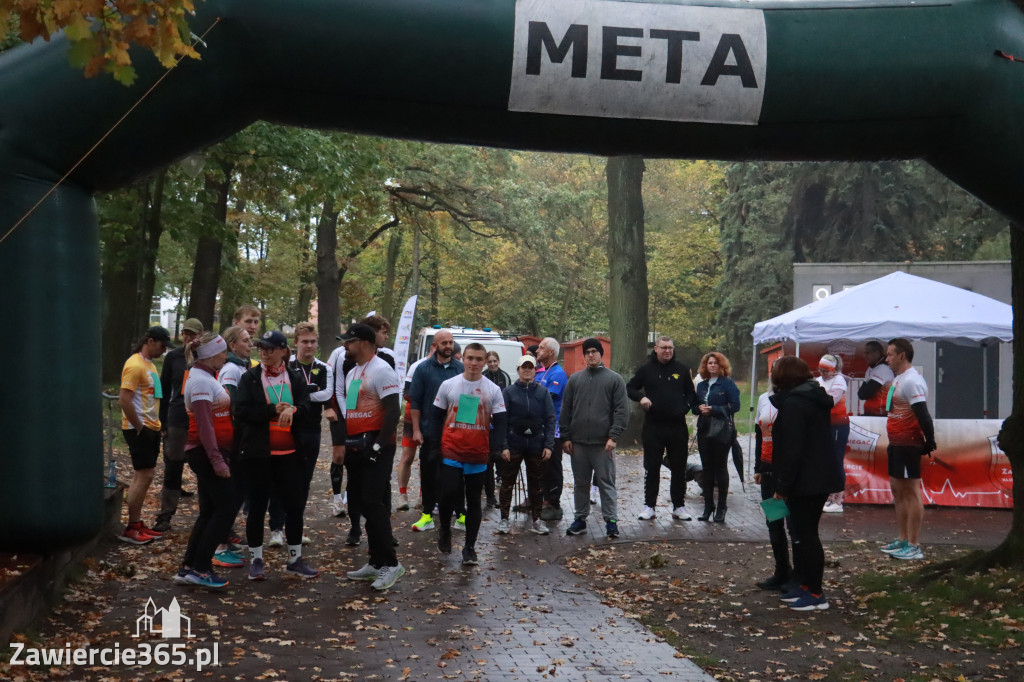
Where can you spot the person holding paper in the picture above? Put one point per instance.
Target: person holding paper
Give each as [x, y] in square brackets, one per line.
[470, 423]
[269, 398]
[805, 471]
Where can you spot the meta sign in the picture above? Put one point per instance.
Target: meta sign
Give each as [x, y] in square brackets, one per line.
[639, 60]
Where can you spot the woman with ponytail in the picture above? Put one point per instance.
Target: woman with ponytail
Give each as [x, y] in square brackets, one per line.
[209, 440]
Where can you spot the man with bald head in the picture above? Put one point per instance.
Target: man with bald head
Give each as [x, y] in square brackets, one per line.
[429, 376]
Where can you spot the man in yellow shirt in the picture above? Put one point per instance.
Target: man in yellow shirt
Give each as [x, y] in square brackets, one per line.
[140, 423]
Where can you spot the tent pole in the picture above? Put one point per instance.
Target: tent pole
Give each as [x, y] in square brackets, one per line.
[984, 380]
[753, 392]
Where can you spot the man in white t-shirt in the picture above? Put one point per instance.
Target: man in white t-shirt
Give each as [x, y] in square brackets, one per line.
[911, 436]
[371, 420]
[470, 425]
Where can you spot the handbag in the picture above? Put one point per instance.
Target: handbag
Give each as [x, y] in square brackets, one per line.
[721, 431]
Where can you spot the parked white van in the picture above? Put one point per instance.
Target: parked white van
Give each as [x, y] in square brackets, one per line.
[508, 351]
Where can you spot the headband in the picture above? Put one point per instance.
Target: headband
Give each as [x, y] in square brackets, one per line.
[212, 347]
[828, 362]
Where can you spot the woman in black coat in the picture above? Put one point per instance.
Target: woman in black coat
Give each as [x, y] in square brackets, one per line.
[718, 398]
[805, 472]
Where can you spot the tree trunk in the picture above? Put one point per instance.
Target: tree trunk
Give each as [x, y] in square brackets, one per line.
[202, 302]
[435, 291]
[328, 278]
[627, 270]
[1011, 436]
[388, 300]
[128, 278]
[307, 276]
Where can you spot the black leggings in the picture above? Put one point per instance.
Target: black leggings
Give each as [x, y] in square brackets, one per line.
[777, 531]
[281, 473]
[218, 505]
[808, 554]
[451, 481]
[714, 457]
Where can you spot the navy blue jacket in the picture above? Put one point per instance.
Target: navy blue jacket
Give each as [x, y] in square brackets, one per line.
[531, 417]
[428, 378]
[723, 397]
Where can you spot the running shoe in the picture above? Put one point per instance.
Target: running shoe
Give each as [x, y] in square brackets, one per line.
[679, 513]
[469, 557]
[647, 514]
[895, 546]
[300, 569]
[809, 602]
[388, 576]
[540, 528]
[578, 527]
[426, 522]
[460, 523]
[833, 508]
[227, 559]
[179, 579]
[908, 553]
[256, 571]
[276, 538]
[367, 572]
[504, 526]
[135, 534]
[354, 538]
[594, 495]
[793, 594]
[403, 502]
[612, 529]
[338, 509]
[205, 579]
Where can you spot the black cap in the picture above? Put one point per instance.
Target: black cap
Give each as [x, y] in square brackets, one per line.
[273, 339]
[359, 332]
[159, 334]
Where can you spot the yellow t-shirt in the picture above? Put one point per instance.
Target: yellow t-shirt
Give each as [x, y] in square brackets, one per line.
[139, 375]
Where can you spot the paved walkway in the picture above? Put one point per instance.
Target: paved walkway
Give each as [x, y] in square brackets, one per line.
[520, 615]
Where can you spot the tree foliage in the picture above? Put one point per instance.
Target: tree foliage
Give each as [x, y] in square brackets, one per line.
[101, 32]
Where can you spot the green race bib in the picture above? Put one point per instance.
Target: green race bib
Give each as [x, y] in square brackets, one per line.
[158, 388]
[888, 398]
[468, 405]
[352, 396]
[280, 394]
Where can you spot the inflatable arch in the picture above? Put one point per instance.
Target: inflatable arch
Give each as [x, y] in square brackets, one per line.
[768, 79]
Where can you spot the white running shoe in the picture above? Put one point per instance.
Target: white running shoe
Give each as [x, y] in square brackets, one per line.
[679, 513]
[338, 509]
[504, 526]
[647, 514]
[276, 538]
[540, 528]
[594, 495]
[388, 576]
[367, 572]
[403, 502]
[833, 508]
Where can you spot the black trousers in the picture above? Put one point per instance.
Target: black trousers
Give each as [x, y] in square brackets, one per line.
[777, 531]
[264, 475]
[219, 502]
[430, 463]
[307, 444]
[671, 442]
[808, 554]
[714, 457]
[453, 482]
[370, 490]
[553, 476]
[534, 481]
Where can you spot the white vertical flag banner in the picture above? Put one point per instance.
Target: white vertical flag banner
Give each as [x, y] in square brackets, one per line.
[403, 338]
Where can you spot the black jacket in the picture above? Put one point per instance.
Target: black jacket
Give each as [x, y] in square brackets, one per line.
[172, 407]
[253, 413]
[530, 409]
[669, 388]
[318, 382]
[803, 460]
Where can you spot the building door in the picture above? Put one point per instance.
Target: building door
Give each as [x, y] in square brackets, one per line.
[960, 383]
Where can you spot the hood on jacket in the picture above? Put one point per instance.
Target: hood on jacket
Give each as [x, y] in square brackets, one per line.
[237, 360]
[811, 391]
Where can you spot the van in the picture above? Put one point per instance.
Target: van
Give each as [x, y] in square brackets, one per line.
[508, 351]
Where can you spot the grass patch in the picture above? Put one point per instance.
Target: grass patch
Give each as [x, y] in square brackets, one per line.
[679, 643]
[985, 610]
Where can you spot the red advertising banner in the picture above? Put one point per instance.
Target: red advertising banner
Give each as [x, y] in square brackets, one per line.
[968, 469]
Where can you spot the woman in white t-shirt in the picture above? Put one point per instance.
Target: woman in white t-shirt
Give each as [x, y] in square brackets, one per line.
[830, 369]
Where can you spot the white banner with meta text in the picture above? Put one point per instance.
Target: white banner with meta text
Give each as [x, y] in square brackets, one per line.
[639, 60]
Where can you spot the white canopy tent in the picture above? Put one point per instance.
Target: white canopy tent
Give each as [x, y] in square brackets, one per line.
[888, 307]
[895, 305]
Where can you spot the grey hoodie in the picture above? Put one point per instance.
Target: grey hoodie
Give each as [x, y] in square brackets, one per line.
[594, 407]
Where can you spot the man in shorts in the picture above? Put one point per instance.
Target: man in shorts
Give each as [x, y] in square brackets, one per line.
[911, 436]
[139, 400]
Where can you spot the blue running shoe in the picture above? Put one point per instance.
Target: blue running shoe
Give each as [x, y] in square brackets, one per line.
[809, 602]
[206, 579]
[578, 527]
[793, 595]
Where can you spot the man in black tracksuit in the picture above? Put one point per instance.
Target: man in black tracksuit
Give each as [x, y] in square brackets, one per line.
[664, 389]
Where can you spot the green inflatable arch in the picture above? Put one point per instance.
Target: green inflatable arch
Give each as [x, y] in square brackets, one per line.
[796, 80]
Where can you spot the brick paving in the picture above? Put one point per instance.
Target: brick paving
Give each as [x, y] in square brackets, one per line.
[519, 615]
